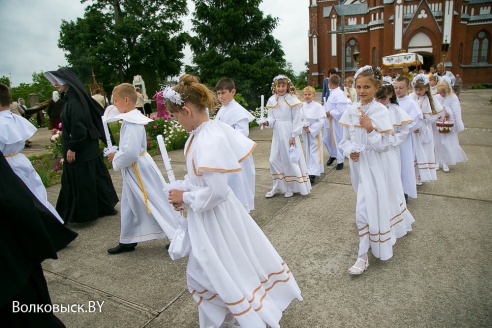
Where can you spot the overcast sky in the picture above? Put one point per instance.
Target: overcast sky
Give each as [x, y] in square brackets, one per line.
[29, 32]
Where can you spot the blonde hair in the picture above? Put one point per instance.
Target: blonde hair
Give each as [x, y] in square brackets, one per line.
[192, 91]
[126, 90]
[433, 78]
[444, 85]
[349, 79]
[309, 89]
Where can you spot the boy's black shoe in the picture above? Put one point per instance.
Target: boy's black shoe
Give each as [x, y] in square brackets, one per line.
[339, 167]
[330, 161]
[121, 248]
[312, 178]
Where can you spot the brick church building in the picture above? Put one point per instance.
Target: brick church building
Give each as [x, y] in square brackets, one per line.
[456, 32]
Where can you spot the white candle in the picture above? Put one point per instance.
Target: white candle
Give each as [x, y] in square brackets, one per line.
[165, 158]
[106, 133]
[262, 108]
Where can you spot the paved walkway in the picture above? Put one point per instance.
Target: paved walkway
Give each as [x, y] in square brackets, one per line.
[440, 275]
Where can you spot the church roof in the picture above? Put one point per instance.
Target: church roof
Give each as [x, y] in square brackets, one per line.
[472, 2]
[355, 9]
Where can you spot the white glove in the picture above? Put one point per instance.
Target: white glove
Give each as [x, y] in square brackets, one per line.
[112, 149]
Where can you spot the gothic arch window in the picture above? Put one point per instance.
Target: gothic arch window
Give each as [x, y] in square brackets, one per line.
[480, 49]
[351, 47]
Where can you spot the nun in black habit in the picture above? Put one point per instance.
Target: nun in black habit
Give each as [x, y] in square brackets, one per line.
[29, 234]
[87, 191]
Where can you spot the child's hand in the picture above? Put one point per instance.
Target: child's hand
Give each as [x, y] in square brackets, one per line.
[365, 122]
[292, 141]
[354, 156]
[306, 129]
[176, 197]
[110, 157]
[328, 115]
[416, 131]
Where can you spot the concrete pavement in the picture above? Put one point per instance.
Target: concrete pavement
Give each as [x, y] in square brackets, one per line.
[440, 275]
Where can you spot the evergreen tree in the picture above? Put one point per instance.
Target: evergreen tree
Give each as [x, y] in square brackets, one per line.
[119, 39]
[233, 39]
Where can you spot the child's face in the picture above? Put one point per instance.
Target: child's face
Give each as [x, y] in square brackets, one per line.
[225, 96]
[349, 84]
[308, 96]
[184, 119]
[366, 89]
[385, 100]
[432, 83]
[400, 89]
[420, 91]
[281, 89]
[122, 103]
[442, 91]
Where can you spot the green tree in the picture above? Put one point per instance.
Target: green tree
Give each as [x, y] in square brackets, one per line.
[233, 39]
[5, 80]
[119, 39]
[40, 86]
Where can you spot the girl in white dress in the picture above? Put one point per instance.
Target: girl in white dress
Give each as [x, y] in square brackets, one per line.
[234, 273]
[366, 141]
[425, 158]
[313, 120]
[14, 131]
[284, 116]
[449, 151]
[349, 89]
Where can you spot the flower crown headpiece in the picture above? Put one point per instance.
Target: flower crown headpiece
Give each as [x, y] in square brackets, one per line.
[422, 78]
[281, 77]
[171, 95]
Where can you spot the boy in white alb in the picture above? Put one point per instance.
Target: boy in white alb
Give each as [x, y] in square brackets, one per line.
[313, 119]
[145, 213]
[407, 153]
[235, 115]
[334, 107]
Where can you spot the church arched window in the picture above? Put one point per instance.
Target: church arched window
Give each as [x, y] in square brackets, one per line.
[480, 49]
[351, 47]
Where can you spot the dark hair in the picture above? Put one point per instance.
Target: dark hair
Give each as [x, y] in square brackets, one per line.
[225, 84]
[5, 96]
[386, 90]
[334, 79]
[332, 70]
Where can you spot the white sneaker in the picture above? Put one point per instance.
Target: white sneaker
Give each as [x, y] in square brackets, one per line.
[445, 168]
[437, 166]
[288, 194]
[271, 193]
[419, 183]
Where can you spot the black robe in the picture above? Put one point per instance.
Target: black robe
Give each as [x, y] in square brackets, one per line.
[29, 234]
[87, 190]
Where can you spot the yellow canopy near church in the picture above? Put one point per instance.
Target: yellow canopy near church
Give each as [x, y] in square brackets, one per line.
[403, 60]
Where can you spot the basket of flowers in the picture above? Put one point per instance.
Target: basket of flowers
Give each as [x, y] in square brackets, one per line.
[444, 126]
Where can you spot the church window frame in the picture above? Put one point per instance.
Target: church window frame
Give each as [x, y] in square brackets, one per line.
[480, 48]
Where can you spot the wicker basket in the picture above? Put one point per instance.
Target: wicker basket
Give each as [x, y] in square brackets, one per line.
[444, 127]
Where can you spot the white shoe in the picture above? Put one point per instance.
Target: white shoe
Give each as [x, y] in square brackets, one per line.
[288, 194]
[437, 166]
[419, 183]
[359, 266]
[445, 168]
[271, 193]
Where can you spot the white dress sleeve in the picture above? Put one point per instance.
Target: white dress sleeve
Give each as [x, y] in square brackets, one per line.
[129, 147]
[316, 127]
[378, 141]
[296, 121]
[215, 191]
[456, 109]
[242, 126]
[401, 134]
[345, 144]
[337, 111]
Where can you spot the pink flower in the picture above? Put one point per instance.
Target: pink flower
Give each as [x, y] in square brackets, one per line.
[155, 127]
[59, 125]
[153, 117]
[55, 170]
[57, 164]
[148, 144]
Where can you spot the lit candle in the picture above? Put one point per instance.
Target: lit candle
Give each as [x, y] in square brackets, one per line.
[165, 158]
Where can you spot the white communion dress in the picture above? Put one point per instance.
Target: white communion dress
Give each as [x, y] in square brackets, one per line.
[232, 265]
[313, 117]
